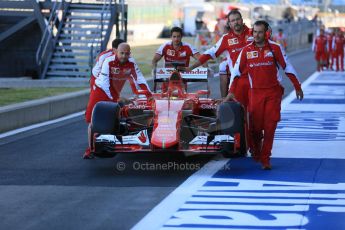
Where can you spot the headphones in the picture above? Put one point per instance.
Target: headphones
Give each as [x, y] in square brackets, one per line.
[268, 29]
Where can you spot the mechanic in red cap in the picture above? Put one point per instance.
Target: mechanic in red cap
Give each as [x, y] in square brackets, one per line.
[114, 73]
[231, 44]
[174, 51]
[261, 60]
[100, 59]
[320, 49]
[338, 47]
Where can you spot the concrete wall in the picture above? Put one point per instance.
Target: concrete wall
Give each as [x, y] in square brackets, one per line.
[31, 112]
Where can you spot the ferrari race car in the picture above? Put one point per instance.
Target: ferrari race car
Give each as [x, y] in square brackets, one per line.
[174, 121]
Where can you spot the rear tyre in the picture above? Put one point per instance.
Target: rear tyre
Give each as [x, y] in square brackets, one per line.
[231, 122]
[105, 120]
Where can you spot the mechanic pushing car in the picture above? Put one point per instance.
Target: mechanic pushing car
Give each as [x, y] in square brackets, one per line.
[261, 59]
[231, 44]
[115, 71]
[100, 59]
[174, 51]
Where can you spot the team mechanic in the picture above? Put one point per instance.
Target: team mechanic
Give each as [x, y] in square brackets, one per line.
[338, 47]
[261, 59]
[174, 51]
[320, 47]
[100, 59]
[110, 82]
[231, 44]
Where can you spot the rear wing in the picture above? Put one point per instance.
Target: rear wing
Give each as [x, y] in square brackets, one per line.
[196, 75]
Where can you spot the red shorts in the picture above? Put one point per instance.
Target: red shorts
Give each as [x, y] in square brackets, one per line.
[96, 95]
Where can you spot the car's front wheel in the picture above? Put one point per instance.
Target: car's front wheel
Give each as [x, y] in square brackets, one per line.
[105, 120]
[230, 116]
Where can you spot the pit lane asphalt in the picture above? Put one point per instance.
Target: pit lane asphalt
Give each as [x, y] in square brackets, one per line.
[44, 183]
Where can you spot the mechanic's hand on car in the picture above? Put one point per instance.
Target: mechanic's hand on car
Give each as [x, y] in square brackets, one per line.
[299, 94]
[124, 101]
[229, 97]
[218, 101]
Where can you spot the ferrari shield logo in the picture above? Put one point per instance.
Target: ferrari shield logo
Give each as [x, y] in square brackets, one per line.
[252, 54]
[115, 70]
[232, 41]
[171, 52]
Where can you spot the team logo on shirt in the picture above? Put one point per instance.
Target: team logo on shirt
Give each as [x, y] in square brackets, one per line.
[171, 52]
[268, 53]
[115, 70]
[252, 54]
[232, 41]
[183, 54]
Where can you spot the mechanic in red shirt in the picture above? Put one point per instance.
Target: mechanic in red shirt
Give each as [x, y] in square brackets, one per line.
[261, 60]
[174, 51]
[320, 48]
[338, 47]
[231, 44]
[331, 52]
[108, 85]
[100, 59]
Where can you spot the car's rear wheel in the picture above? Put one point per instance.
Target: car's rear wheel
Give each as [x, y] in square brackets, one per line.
[105, 120]
[230, 116]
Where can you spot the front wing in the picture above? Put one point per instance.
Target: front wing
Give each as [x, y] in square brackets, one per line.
[140, 143]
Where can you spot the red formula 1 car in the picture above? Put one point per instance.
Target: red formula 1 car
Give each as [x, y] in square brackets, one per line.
[174, 121]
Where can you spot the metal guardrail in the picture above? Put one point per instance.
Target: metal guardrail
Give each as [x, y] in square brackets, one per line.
[299, 33]
[94, 52]
[49, 31]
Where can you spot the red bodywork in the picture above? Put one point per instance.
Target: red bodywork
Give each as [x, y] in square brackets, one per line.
[165, 120]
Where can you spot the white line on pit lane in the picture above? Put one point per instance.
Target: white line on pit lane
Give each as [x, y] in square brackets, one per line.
[35, 126]
[178, 197]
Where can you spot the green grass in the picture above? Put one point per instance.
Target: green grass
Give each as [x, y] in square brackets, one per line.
[143, 56]
[11, 96]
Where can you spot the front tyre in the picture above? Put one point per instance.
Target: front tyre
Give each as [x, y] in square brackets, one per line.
[231, 122]
[105, 120]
